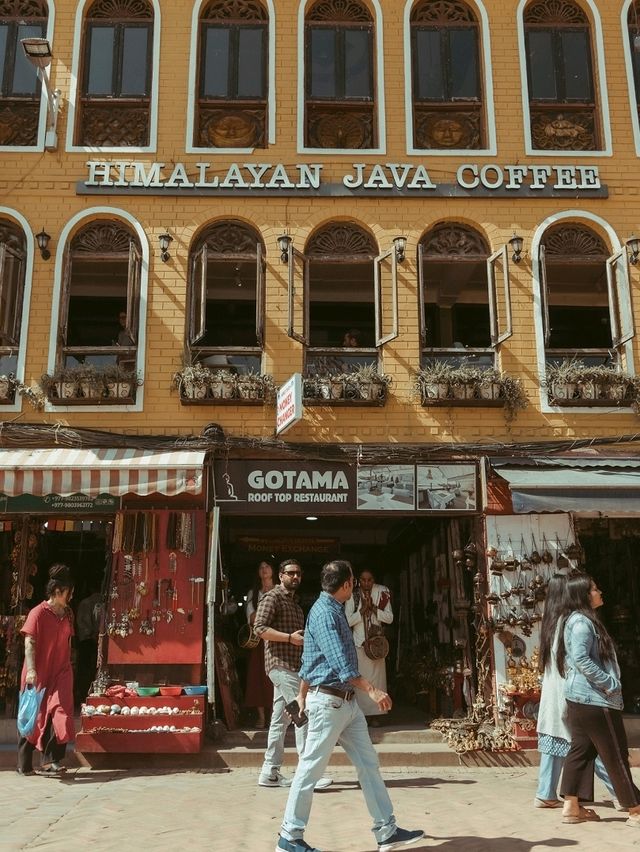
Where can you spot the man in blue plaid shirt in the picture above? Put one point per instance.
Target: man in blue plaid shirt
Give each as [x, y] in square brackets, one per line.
[329, 678]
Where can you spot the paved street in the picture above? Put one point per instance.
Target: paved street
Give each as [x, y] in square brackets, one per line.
[475, 810]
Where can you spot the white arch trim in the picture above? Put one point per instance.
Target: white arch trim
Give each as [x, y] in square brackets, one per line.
[379, 89]
[44, 102]
[536, 239]
[26, 301]
[601, 88]
[74, 86]
[92, 213]
[487, 73]
[190, 148]
[631, 83]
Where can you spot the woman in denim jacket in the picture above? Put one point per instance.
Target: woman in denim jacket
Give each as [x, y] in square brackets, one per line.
[586, 658]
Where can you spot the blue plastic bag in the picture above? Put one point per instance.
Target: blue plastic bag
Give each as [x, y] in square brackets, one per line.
[28, 707]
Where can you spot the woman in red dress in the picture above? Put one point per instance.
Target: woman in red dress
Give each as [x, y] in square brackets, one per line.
[259, 690]
[47, 646]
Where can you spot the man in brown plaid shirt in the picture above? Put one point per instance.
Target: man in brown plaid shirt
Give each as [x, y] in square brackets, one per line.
[280, 623]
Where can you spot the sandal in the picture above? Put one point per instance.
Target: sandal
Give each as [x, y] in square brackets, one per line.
[585, 815]
[52, 770]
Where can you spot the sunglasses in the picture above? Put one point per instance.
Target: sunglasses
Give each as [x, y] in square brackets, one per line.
[293, 573]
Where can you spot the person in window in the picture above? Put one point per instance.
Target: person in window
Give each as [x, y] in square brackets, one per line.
[351, 339]
[47, 665]
[123, 337]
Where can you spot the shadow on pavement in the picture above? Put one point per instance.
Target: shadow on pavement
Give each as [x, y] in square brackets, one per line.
[470, 843]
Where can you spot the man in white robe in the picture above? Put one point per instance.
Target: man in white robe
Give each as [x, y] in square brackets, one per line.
[373, 601]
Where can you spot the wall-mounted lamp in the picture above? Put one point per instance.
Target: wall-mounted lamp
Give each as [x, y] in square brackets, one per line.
[516, 243]
[38, 52]
[43, 241]
[165, 241]
[400, 244]
[284, 241]
[633, 244]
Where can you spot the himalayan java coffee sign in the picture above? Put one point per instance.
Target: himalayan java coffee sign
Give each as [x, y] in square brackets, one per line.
[407, 180]
[279, 487]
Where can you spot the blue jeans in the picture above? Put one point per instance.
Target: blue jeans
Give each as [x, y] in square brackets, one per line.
[549, 776]
[286, 685]
[333, 720]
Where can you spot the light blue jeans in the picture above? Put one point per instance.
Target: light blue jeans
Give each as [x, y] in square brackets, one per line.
[331, 721]
[286, 685]
[551, 769]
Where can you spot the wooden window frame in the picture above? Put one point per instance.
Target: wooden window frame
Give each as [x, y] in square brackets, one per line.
[10, 325]
[445, 47]
[234, 28]
[558, 65]
[13, 48]
[340, 29]
[120, 25]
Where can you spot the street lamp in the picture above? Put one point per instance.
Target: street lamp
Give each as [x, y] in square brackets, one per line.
[38, 52]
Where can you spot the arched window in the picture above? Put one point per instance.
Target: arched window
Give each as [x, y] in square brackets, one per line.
[233, 78]
[464, 314]
[226, 298]
[12, 277]
[99, 317]
[347, 292]
[116, 75]
[585, 295]
[339, 76]
[19, 83]
[446, 78]
[633, 23]
[562, 93]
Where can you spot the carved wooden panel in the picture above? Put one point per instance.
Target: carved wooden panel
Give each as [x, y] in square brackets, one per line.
[232, 128]
[336, 127]
[566, 130]
[102, 237]
[439, 13]
[340, 238]
[443, 129]
[452, 240]
[121, 10]
[12, 236]
[575, 242]
[339, 11]
[230, 238]
[23, 9]
[19, 122]
[114, 125]
[554, 12]
[633, 16]
[236, 10]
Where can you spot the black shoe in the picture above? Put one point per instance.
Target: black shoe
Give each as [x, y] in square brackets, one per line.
[401, 838]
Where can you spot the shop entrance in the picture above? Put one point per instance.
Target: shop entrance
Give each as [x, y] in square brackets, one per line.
[421, 561]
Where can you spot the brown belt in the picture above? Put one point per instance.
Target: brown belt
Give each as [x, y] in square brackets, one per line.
[345, 694]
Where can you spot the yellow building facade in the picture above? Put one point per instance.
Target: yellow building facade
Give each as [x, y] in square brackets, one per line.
[499, 141]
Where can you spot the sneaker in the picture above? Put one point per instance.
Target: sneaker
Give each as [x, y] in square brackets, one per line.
[323, 783]
[618, 806]
[276, 779]
[299, 845]
[402, 837]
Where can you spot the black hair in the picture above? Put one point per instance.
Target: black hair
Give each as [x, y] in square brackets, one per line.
[335, 574]
[554, 603]
[285, 564]
[258, 582]
[577, 600]
[59, 579]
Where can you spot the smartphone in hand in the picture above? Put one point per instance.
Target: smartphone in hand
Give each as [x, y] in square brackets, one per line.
[293, 709]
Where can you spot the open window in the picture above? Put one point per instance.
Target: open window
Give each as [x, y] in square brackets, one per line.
[343, 325]
[116, 75]
[463, 313]
[562, 92]
[386, 296]
[12, 279]
[98, 319]
[19, 82]
[447, 96]
[233, 75]
[339, 76]
[586, 301]
[298, 305]
[226, 298]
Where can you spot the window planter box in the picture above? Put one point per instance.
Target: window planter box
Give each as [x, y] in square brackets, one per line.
[344, 392]
[591, 393]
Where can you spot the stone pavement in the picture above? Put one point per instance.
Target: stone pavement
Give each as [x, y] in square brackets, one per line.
[461, 809]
